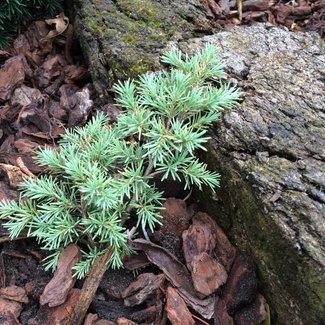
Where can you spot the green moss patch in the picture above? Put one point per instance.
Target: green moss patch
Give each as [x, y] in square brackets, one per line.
[129, 31]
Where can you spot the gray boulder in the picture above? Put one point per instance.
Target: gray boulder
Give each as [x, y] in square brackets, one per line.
[270, 151]
[271, 154]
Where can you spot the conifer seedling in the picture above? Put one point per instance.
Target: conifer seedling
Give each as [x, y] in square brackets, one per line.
[101, 172]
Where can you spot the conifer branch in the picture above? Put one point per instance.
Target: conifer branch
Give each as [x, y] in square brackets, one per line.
[100, 173]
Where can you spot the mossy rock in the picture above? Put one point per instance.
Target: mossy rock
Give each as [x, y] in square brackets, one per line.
[124, 38]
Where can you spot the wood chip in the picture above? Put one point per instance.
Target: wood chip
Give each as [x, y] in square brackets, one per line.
[57, 290]
[208, 275]
[177, 311]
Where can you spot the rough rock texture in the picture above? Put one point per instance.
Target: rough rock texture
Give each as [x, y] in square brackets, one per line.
[270, 151]
[122, 38]
[271, 154]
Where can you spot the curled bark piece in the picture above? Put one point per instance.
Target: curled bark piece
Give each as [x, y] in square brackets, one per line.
[241, 287]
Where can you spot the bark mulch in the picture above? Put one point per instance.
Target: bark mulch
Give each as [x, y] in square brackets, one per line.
[189, 273]
[297, 15]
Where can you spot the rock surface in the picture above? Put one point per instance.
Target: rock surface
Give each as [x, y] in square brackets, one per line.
[271, 154]
[122, 38]
[270, 151]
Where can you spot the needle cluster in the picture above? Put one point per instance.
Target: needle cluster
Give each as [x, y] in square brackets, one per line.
[102, 173]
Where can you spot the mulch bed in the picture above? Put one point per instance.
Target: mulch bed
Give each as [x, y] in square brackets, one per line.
[189, 273]
[297, 15]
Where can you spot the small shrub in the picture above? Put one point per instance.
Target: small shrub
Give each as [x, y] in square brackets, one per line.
[12, 13]
[101, 172]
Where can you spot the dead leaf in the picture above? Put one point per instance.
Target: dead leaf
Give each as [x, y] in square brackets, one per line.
[57, 290]
[23, 168]
[61, 23]
[14, 173]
